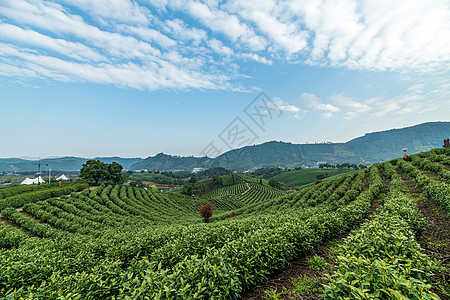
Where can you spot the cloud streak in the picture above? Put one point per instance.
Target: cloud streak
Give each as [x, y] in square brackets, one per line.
[414, 100]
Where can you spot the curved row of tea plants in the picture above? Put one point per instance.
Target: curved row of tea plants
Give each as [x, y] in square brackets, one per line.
[423, 163]
[436, 190]
[321, 196]
[21, 189]
[40, 194]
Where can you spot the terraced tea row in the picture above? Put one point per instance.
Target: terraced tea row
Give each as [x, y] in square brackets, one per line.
[383, 260]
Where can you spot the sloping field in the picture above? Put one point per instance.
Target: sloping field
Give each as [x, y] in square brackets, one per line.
[128, 243]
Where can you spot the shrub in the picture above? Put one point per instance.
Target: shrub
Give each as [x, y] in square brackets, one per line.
[206, 211]
[317, 263]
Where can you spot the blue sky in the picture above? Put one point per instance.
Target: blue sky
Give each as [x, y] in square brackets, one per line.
[137, 77]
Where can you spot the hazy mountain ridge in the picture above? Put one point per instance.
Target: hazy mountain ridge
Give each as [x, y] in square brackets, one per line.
[368, 149]
[384, 145]
[163, 161]
[67, 163]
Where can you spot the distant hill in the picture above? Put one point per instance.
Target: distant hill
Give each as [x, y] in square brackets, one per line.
[163, 161]
[368, 149]
[58, 164]
[125, 162]
[385, 145]
[273, 154]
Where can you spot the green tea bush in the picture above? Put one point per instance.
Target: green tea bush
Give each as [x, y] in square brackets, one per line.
[317, 263]
[382, 260]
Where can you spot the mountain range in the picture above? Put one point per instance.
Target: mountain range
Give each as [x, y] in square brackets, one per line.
[368, 149]
[58, 164]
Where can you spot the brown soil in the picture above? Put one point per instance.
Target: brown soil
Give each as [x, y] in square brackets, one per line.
[7, 222]
[294, 270]
[435, 240]
[248, 188]
[10, 224]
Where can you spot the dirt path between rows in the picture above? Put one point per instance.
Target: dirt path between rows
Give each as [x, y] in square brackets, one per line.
[435, 240]
[11, 224]
[248, 188]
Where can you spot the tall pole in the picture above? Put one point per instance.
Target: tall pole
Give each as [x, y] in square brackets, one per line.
[49, 173]
[39, 170]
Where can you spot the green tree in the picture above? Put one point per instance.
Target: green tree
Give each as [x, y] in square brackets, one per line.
[275, 184]
[327, 166]
[96, 170]
[322, 176]
[115, 174]
[191, 189]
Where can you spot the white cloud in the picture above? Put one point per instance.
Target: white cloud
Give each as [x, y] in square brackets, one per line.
[127, 11]
[51, 17]
[343, 102]
[17, 72]
[327, 115]
[126, 56]
[148, 34]
[218, 47]
[377, 34]
[255, 57]
[286, 107]
[412, 101]
[310, 102]
[415, 100]
[349, 115]
[32, 38]
[268, 17]
[228, 24]
[150, 76]
[183, 32]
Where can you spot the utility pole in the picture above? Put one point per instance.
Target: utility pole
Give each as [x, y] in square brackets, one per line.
[39, 169]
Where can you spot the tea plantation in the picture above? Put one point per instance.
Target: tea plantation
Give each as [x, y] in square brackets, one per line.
[121, 242]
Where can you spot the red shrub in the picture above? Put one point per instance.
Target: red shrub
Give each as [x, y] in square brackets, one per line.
[206, 211]
[318, 181]
[233, 214]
